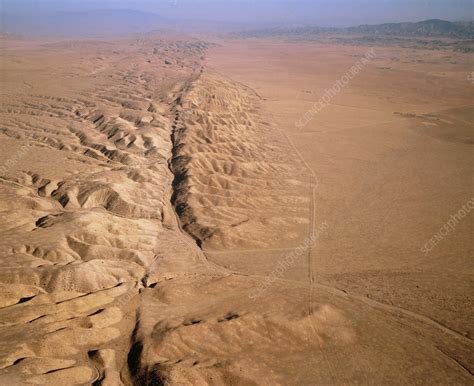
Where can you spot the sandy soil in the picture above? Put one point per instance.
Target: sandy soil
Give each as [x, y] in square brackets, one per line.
[167, 219]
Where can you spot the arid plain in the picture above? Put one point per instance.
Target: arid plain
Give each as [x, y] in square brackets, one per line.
[195, 211]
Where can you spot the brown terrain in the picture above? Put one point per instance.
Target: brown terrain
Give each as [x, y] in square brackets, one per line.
[170, 217]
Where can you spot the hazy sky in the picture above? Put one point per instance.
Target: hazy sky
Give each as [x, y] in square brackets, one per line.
[320, 12]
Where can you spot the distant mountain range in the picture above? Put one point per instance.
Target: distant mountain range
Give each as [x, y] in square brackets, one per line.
[426, 28]
[127, 21]
[88, 23]
[431, 28]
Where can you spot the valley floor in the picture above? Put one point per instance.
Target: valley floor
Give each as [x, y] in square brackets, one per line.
[180, 212]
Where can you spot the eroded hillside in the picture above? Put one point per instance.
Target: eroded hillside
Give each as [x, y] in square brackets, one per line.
[128, 169]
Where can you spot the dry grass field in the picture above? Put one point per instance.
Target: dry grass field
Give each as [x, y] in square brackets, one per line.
[218, 211]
